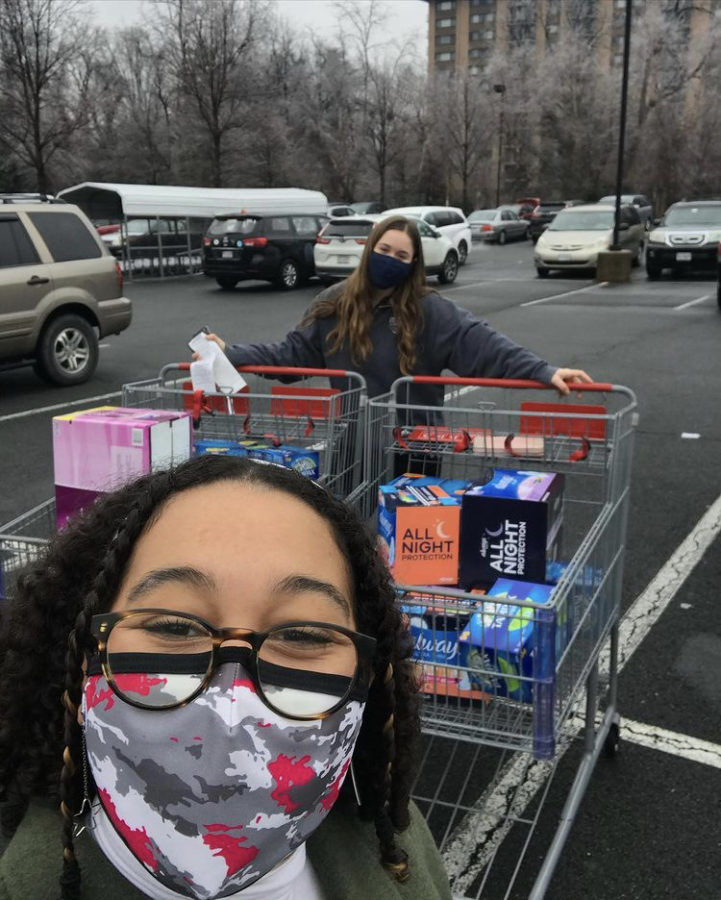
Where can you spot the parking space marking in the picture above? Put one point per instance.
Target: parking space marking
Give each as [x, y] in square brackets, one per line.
[693, 302]
[682, 745]
[519, 781]
[57, 406]
[590, 287]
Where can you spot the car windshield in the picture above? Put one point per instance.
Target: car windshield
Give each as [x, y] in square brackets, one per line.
[694, 215]
[348, 229]
[482, 215]
[233, 226]
[587, 220]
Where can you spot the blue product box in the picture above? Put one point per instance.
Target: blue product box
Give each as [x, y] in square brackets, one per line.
[219, 448]
[435, 626]
[510, 526]
[500, 640]
[304, 461]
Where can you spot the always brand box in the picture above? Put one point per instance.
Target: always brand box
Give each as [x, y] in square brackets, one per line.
[435, 624]
[97, 450]
[510, 526]
[499, 644]
[419, 528]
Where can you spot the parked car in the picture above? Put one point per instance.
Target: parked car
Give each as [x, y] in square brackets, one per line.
[143, 235]
[367, 207]
[60, 291]
[685, 239]
[339, 247]
[544, 213]
[340, 209]
[449, 220]
[642, 204]
[526, 205]
[497, 225]
[578, 234]
[276, 248]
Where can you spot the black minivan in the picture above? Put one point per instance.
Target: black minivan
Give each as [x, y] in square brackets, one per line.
[275, 247]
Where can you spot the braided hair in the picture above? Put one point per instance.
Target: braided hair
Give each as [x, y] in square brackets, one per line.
[45, 640]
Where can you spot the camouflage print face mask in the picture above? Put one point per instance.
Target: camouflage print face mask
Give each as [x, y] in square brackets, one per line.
[210, 796]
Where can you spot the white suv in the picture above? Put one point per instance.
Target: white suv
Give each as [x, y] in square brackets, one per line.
[339, 247]
[449, 220]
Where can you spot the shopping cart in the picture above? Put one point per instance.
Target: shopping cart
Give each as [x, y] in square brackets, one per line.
[507, 690]
[309, 414]
[22, 541]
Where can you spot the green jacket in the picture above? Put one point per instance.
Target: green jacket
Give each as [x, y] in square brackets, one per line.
[343, 853]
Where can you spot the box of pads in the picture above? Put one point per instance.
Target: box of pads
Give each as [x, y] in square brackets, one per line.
[419, 529]
[435, 624]
[500, 645]
[303, 460]
[95, 451]
[510, 526]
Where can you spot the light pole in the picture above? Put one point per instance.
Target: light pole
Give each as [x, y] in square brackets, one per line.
[622, 124]
[499, 89]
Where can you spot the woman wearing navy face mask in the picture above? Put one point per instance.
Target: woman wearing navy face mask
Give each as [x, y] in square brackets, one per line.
[384, 322]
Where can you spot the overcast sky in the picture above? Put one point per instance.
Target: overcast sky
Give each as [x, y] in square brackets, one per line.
[407, 19]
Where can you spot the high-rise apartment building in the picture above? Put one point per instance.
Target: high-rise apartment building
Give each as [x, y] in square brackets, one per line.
[463, 34]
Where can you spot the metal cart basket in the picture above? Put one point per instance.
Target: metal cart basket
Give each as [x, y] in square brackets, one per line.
[22, 541]
[307, 413]
[505, 675]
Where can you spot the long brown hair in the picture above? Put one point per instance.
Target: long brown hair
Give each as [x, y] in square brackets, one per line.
[353, 305]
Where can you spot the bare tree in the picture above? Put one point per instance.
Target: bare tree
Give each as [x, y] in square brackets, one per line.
[209, 46]
[146, 103]
[48, 56]
[464, 123]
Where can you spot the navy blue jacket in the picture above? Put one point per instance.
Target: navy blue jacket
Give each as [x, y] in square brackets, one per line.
[451, 338]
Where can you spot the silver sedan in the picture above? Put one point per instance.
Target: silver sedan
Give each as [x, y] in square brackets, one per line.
[497, 225]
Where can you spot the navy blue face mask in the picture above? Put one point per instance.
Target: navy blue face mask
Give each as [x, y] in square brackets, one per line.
[387, 271]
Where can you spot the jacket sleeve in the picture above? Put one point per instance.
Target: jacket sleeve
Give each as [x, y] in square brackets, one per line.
[300, 347]
[472, 349]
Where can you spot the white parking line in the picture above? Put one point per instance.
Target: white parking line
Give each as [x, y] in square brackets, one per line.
[57, 406]
[646, 610]
[590, 287]
[693, 302]
[496, 810]
[682, 745]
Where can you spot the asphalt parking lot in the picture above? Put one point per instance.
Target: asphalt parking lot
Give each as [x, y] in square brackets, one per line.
[647, 827]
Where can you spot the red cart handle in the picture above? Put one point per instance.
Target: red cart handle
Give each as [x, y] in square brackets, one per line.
[280, 370]
[598, 387]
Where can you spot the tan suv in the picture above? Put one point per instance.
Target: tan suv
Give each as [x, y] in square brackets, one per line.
[60, 290]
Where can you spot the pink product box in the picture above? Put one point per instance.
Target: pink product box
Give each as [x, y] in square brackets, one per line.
[95, 451]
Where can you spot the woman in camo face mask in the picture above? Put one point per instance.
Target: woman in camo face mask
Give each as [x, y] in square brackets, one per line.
[236, 665]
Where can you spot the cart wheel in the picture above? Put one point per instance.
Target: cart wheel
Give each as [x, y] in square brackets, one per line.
[613, 738]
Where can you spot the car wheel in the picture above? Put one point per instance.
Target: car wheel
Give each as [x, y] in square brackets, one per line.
[652, 272]
[226, 282]
[288, 275]
[462, 253]
[67, 351]
[448, 273]
[542, 271]
[501, 237]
